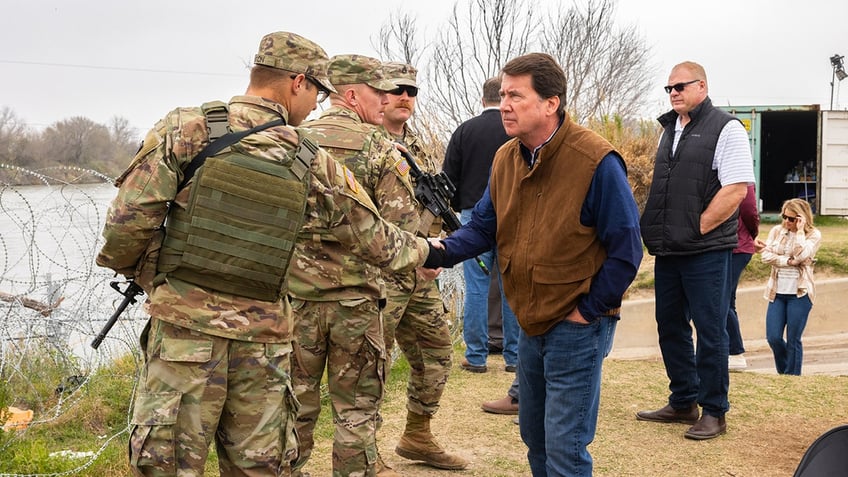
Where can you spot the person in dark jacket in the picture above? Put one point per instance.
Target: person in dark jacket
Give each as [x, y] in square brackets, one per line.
[468, 159]
[702, 171]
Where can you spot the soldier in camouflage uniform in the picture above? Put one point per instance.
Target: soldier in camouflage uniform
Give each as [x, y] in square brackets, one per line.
[217, 365]
[337, 297]
[415, 314]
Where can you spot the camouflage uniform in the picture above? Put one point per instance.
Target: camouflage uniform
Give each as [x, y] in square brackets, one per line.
[217, 365]
[415, 314]
[336, 296]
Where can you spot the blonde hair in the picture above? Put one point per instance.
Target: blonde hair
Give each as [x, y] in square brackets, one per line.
[799, 207]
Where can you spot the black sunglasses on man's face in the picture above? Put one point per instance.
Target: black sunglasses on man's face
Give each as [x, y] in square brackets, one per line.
[679, 87]
[411, 91]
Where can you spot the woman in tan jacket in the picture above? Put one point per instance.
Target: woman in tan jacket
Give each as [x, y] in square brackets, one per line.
[790, 250]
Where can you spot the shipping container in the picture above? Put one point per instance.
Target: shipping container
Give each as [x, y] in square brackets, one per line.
[799, 151]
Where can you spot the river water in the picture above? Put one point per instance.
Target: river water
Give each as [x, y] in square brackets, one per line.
[49, 237]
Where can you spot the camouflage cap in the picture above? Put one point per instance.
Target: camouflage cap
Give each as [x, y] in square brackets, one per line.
[401, 74]
[358, 69]
[292, 52]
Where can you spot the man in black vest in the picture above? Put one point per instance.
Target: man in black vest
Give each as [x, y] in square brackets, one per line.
[703, 166]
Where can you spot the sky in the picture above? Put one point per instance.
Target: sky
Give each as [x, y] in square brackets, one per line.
[137, 60]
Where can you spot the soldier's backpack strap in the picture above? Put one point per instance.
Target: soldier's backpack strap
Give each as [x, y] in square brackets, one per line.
[220, 144]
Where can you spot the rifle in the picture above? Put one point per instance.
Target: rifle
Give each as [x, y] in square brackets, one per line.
[130, 293]
[435, 191]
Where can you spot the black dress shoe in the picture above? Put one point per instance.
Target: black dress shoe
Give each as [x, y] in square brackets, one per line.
[707, 428]
[687, 415]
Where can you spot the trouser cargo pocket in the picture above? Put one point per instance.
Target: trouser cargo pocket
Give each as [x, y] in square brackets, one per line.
[152, 440]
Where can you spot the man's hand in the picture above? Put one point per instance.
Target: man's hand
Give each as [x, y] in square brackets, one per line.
[723, 205]
[576, 317]
[428, 273]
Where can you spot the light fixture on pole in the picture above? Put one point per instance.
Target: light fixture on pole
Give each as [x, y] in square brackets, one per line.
[838, 73]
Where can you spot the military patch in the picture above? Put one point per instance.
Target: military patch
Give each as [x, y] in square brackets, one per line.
[402, 166]
[351, 180]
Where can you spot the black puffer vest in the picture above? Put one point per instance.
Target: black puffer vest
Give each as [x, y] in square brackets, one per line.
[683, 185]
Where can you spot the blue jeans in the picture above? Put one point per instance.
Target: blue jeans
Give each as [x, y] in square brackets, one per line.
[694, 288]
[738, 263]
[790, 313]
[560, 386]
[475, 319]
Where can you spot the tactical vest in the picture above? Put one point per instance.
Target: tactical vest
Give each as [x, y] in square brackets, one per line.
[237, 232]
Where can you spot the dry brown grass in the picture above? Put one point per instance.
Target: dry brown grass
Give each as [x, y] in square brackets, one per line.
[772, 421]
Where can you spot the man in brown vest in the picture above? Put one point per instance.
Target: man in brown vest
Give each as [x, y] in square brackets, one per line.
[562, 215]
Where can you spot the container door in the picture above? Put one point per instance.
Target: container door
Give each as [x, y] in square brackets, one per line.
[833, 178]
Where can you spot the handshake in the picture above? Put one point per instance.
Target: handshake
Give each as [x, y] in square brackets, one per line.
[432, 267]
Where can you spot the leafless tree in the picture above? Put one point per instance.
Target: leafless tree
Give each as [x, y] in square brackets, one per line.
[15, 139]
[606, 67]
[10, 129]
[399, 39]
[477, 40]
[77, 141]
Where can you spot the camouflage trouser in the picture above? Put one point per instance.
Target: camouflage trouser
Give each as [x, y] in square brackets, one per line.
[195, 388]
[418, 322]
[347, 336]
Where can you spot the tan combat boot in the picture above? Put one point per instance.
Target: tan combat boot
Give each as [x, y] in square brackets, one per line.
[418, 443]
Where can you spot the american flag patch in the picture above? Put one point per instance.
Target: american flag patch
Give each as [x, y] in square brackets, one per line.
[351, 180]
[402, 166]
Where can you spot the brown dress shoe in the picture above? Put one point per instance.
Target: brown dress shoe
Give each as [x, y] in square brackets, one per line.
[707, 428]
[464, 364]
[687, 415]
[507, 405]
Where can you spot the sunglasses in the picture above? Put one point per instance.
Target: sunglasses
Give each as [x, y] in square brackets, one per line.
[790, 219]
[411, 91]
[679, 87]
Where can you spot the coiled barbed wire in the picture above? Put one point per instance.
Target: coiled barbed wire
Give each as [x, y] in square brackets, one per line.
[53, 298]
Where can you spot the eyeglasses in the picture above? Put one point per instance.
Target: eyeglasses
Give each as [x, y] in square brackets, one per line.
[679, 87]
[790, 219]
[412, 91]
[323, 93]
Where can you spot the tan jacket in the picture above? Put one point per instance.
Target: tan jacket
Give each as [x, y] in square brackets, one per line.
[804, 248]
